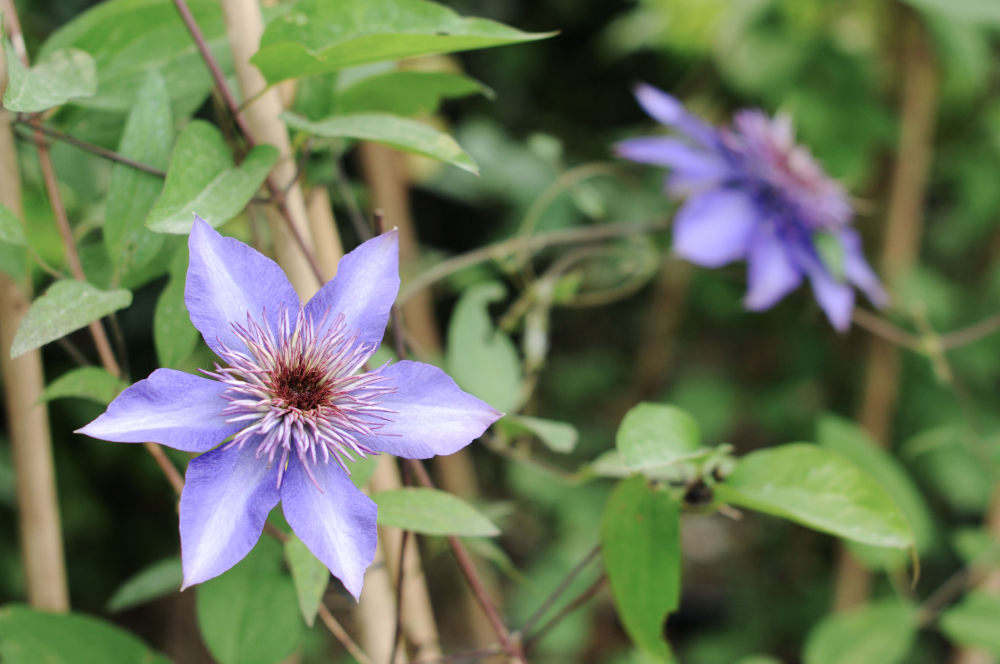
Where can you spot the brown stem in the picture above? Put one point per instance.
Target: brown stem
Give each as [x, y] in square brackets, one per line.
[341, 635]
[105, 153]
[559, 590]
[580, 600]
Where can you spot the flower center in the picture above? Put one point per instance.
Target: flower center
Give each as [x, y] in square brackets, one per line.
[304, 389]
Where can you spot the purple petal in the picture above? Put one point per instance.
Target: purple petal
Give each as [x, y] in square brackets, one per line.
[226, 280]
[714, 228]
[334, 520]
[690, 164]
[857, 270]
[771, 275]
[431, 414]
[835, 298]
[169, 407]
[227, 496]
[364, 289]
[667, 110]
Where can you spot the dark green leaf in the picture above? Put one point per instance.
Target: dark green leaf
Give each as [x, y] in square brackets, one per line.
[653, 434]
[91, 383]
[61, 76]
[65, 307]
[28, 636]
[11, 231]
[874, 634]
[309, 575]
[640, 538]
[398, 132]
[250, 614]
[431, 512]
[405, 92]
[974, 622]
[174, 336]
[820, 489]
[158, 580]
[315, 36]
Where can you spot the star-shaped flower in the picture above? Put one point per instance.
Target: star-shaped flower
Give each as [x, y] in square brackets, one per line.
[752, 193]
[291, 401]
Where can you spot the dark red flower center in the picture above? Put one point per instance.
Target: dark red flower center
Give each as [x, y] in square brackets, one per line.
[301, 388]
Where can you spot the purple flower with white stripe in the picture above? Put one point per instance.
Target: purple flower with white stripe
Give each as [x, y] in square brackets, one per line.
[752, 193]
[289, 405]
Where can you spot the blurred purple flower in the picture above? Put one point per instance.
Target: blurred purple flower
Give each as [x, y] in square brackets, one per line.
[293, 405]
[753, 194]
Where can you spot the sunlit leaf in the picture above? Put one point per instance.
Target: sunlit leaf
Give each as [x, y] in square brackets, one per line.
[91, 383]
[11, 231]
[557, 436]
[61, 76]
[431, 512]
[873, 634]
[310, 576]
[974, 622]
[653, 434]
[405, 92]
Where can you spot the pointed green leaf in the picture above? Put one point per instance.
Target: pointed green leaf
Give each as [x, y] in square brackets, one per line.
[65, 307]
[11, 231]
[974, 622]
[91, 383]
[160, 579]
[310, 576]
[431, 512]
[398, 132]
[31, 637]
[317, 36]
[405, 92]
[653, 435]
[202, 180]
[174, 336]
[63, 75]
[640, 539]
[874, 634]
[557, 436]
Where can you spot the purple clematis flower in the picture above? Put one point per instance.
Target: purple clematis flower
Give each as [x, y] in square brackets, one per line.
[291, 402]
[753, 194]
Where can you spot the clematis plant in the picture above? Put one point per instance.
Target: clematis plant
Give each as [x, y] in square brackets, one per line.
[752, 193]
[288, 406]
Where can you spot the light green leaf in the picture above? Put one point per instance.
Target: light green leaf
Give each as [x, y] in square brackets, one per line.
[848, 439]
[63, 75]
[986, 12]
[91, 383]
[431, 512]
[405, 92]
[482, 359]
[202, 180]
[653, 434]
[976, 546]
[759, 659]
[250, 614]
[128, 38]
[363, 469]
[875, 634]
[310, 576]
[974, 622]
[395, 131]
[557, 436]
[11, 231]
[158, 580]
[317, 36]
[65, 307]
[640, 539]
[32, 637]
[174, 336]
[820, 489]
[147, 138]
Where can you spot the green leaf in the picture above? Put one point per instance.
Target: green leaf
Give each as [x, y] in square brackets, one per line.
[986, 12]
[174, 336]
[158, 580]
[317, 36]
[974, 622]
[976, 546]
[11, 231]
[820, 489]
[91, 383]
[875, 634]
[250, 614]
[557, 436]
[202, 180]
[482, 359]
[33, 637]
[147, 138]
[431, 512]
[61, 76]
[310, 576]
[401, 133]
[848, 439]
[640, 539]
[65, 307]
[653, 434]
[128, 38]
[363, 469]
[406, 92]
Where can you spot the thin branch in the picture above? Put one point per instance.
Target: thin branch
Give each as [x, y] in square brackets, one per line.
[971, 334]
[880, 327]
[464, 656]
[105, 153]
[341, 635]
[398, 630]
[559, 590]
[580, 600]
[361, 227]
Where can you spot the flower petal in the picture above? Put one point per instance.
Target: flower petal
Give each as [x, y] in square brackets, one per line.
[771, 274]
[858, 271]
[835, 298]
[714, 228]
[431, 414]
[226, 280]
[335, 520]
[169, 407]
[227, 496]
[668, 110]
[364, 289]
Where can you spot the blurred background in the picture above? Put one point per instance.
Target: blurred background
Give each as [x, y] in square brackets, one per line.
[900, 102]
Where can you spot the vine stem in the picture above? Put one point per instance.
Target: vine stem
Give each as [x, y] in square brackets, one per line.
[560, 589]
[105, 153]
